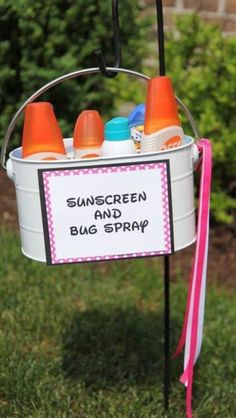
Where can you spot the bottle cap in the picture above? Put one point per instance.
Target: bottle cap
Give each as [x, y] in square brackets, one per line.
[89, 130]
[136, 117]
[161, 107]
[41, 132]
[117, 129]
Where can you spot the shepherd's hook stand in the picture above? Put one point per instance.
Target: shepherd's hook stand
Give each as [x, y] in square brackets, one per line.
[105, 72]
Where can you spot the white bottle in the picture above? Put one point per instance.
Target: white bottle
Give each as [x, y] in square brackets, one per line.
[117, 138]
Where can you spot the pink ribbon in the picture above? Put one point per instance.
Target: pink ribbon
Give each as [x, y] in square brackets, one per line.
[191, 336]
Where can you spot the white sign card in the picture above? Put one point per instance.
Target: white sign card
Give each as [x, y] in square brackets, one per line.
[107, 212]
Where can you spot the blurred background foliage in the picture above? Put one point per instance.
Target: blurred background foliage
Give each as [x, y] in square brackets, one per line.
[40, 41]
[202, 64]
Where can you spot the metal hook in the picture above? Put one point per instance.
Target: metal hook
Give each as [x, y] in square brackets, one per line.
[116, 36]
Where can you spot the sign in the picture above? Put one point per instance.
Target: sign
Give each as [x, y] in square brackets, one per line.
[107, 212]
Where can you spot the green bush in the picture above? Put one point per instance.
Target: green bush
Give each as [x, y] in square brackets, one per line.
[202, 64]
[41, 40]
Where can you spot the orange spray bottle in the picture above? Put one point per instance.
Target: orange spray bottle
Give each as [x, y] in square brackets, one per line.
[42, 137]
[162, 128]
[88, 134]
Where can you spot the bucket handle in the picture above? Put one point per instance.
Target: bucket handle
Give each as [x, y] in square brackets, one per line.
[72, 75]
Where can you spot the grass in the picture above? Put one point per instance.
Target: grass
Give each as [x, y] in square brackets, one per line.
[86, 341]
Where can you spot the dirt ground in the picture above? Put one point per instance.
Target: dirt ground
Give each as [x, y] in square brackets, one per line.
[222, 246]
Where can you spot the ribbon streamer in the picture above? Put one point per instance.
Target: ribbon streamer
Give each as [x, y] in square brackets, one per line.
[191, 336]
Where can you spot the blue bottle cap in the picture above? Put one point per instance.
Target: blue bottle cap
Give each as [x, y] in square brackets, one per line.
[117, 129]
[136, 117]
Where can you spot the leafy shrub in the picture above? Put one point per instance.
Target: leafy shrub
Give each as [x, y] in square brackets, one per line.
[42, 40]
[202, 64]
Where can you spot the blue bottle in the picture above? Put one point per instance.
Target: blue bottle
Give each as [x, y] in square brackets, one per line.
[136, 124]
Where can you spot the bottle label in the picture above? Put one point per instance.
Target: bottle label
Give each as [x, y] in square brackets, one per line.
[173, 142]
[46, 156]
[136, 135]
[167, 138]
[90, 156]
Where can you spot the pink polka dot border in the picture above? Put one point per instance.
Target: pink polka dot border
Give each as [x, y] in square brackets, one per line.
[161, 166]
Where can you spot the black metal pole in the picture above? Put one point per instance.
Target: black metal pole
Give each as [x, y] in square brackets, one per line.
[166, 382]
[166, 378]
[160, 37]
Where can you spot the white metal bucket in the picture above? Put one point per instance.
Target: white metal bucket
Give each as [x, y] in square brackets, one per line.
[24, 173]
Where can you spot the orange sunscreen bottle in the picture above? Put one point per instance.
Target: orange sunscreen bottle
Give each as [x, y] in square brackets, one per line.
[42, 137]
[88, 134]
[162, 128]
